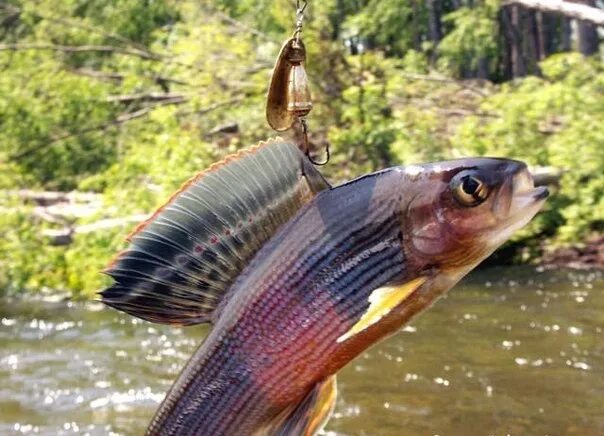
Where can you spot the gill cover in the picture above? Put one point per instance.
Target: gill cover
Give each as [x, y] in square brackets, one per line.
[185, 257]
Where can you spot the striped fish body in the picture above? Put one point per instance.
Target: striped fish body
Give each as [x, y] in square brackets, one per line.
[277, 336]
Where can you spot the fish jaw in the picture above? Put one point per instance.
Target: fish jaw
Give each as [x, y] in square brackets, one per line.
[525, 202]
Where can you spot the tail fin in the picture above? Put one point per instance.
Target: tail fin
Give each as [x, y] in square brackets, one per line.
[184, 258]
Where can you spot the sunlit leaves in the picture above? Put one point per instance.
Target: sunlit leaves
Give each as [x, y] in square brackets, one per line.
[473, 36]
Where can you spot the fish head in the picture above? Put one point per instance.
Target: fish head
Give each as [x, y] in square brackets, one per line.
[458, 212]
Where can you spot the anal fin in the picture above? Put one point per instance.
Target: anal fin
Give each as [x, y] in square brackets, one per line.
[309, 416]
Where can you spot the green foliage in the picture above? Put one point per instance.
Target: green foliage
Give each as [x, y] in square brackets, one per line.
[386, 23]
[270, 16]
[366, 130]
[136, 20]
[134, 122]
[472, 39]
[38, 140]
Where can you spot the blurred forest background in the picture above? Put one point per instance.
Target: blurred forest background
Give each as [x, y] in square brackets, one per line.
[107, 107]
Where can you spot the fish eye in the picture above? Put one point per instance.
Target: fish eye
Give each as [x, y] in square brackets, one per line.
[469, 190]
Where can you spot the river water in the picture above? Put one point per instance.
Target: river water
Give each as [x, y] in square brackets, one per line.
[509, 351]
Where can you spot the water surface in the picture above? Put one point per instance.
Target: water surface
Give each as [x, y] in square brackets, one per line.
[509, 351]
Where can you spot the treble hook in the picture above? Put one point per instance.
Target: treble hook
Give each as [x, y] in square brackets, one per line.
[307, 145]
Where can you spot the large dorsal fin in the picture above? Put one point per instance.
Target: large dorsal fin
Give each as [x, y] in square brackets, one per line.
[184, 258]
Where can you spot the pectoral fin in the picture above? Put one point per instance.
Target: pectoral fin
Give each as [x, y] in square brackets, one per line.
[381, 302]
[309, 416]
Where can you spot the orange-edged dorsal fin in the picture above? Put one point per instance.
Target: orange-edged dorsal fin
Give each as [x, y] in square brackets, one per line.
[183, 259]
[309, 416]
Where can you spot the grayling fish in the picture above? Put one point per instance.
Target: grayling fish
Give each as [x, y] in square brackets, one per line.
[298, 277]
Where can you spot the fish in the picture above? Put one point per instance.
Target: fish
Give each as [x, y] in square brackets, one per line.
[297, 277]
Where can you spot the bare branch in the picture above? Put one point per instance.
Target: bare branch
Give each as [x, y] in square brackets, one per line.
[441, 79]
[566, 8]
[460, 112]
[64, 236]
[82, 49]
[236, 23]
[47, 198]
[128, 116]
[212, 107]
[151, 96]
[92, 29]
[101, 75]
[117, 76]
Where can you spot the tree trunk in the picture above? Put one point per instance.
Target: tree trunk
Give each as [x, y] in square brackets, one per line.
[511, 16]
[530, 38]
[435, 20]
[547, 33]
[580, 9]
[567, 32]
[552, 30]
[416, 25]
[587, 33]
[482, 70]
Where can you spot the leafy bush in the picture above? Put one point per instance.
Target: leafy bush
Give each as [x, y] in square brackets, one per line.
[133, 124]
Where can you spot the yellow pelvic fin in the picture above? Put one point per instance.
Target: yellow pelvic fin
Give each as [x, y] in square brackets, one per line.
[381, 302]
[309, 416]
[325, 403]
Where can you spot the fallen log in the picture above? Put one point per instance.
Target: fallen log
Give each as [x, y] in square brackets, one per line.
[46, 198]
[566, 8]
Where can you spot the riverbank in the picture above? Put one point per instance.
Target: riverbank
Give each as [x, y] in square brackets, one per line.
[588, 255]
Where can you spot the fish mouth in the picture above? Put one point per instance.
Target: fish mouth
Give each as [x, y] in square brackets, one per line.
[524, 201]
[525, 196]
[541, 193]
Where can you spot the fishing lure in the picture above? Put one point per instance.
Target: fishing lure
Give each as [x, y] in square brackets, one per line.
[298, 277]
[289, 98]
